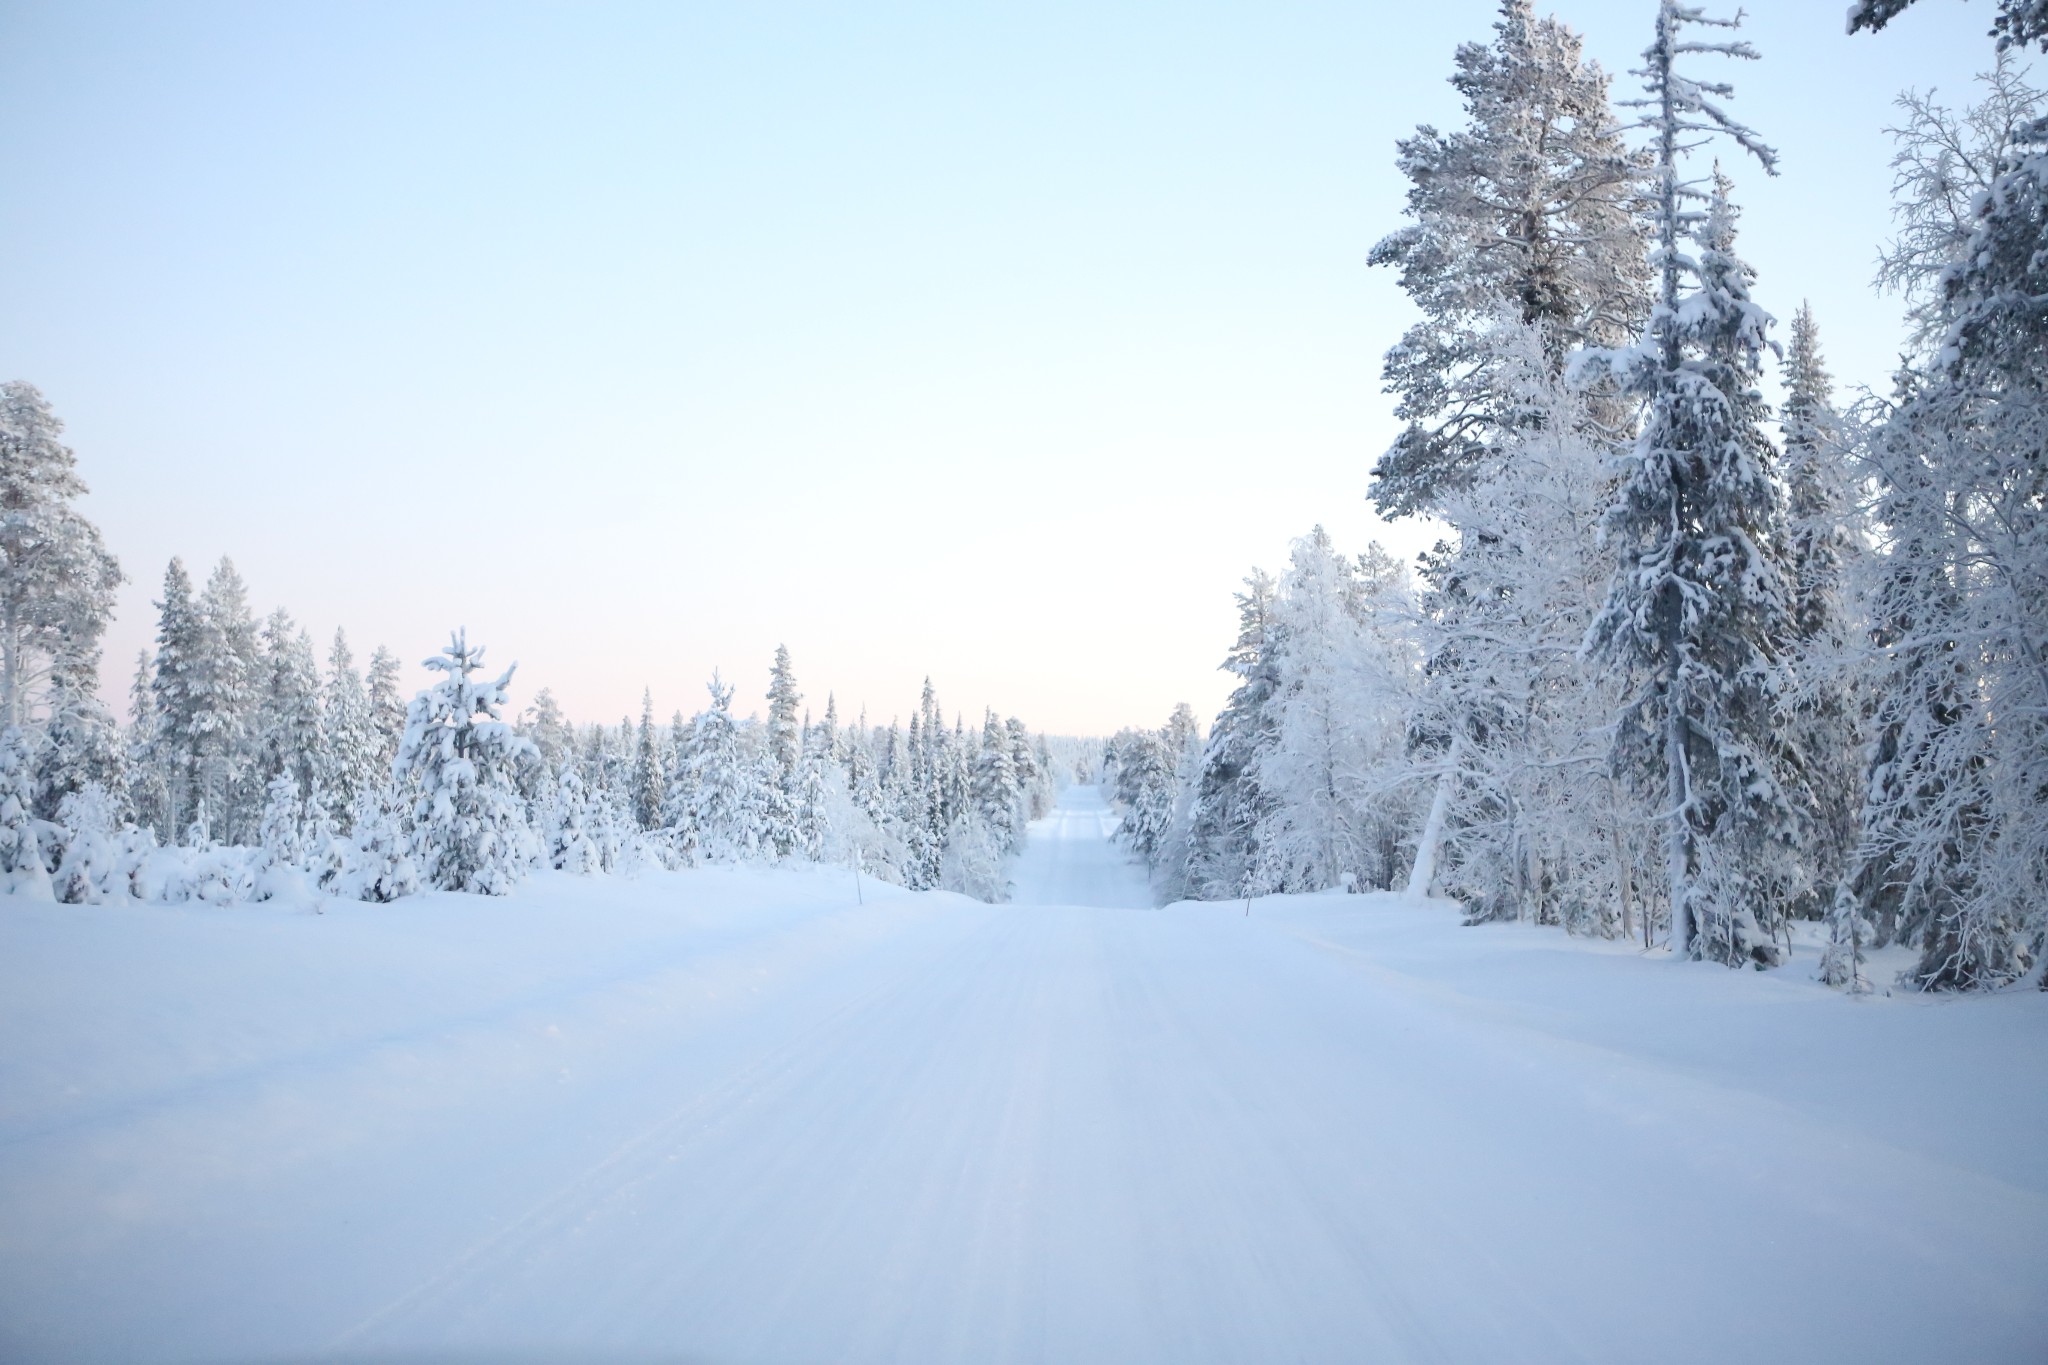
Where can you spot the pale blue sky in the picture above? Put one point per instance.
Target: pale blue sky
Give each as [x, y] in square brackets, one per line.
[990, 343]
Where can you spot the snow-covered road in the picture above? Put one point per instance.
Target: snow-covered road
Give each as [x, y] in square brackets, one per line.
[1071, 860]
[733, 1116]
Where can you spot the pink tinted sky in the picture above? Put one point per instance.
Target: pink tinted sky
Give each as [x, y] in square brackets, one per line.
[994, 346]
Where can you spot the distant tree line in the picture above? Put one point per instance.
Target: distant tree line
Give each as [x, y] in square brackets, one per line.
[248, 771]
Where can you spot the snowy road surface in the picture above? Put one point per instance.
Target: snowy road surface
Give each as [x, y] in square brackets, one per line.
[732, 1116]
[1070, 859]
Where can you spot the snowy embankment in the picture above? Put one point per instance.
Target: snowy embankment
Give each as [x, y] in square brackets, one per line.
[736, 1116]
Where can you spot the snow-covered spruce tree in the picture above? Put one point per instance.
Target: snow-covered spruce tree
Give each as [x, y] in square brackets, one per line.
[57, 580]
[281, 829]
[1512, 728]
[349, 758]
[1228, 804]
[679, 797]
[1153, 777]
[1699, 610]
[2018, 22]
[458, 760]
[550, 731]
[225, 680]
[570, 846]
[776, 808]
[1141, 766]
[785, 732]
[22, 869]
[80, 745]
[1954, 842]
[387, 707]
[149, 790]
[649, 782]
[818, 781]
[1821, 732]
[1034, 782]
[1531, 207]
[289, 731]
[726, 814]
[180, 656]
[993, 786]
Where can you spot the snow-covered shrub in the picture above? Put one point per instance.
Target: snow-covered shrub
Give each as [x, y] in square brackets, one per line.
[378, 865]
[99, 859]
[278, 832]
[973, 864]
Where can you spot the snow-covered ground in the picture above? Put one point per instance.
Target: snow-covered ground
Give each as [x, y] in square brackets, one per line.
[738, 1116]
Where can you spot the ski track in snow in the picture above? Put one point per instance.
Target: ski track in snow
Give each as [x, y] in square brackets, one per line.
[738, 1117]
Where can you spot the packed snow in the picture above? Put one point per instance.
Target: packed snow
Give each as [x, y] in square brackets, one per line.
[770, 1115]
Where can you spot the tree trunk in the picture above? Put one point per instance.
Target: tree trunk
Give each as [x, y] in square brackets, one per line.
[1679, 827]
[1430, 847]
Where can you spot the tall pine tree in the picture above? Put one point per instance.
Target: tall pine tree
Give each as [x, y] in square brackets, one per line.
[1699, 611]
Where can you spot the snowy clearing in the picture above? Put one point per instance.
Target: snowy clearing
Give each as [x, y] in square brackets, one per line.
[735, 1116]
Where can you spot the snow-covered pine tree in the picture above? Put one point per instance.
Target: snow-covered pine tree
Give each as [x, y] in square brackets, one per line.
[828, 729]
[550, 731]
[57, 579]
[1142, 765]
[80, 745]
[290, 733]
[726, 813]
[1531, 209]
[1170, 866]
[387, 706]
[458, 759]
[1034, 784]
[22, 869]
[776, 808]
[993, 786]
[815, 806]
[2018, 22]
[570, 846]
[149, 791]
[649, 781]
[1699, 612]
[1821, 735]
[1228, 803]
[785, 732]
[349, 747]
[181, 646]
[226, 685]
[281, 828]
[1954, 842]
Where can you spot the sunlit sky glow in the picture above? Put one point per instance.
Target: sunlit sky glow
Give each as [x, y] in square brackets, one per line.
[990, 344]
